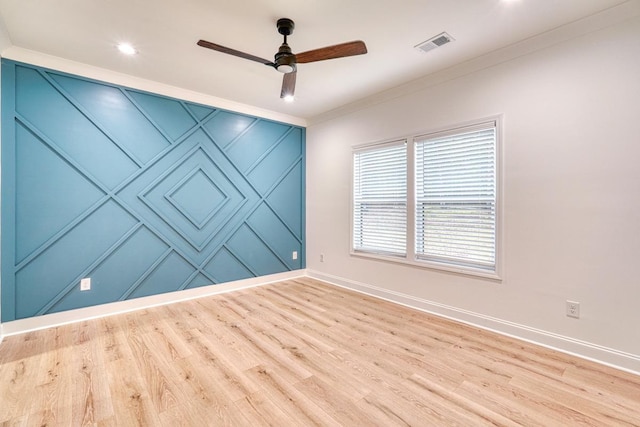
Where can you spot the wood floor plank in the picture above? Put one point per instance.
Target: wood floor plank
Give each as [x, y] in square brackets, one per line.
[337, 404]
[316, 362]
[299, 352]
[584, 403]
[129, 395]
[20, 375]
[512, 403]
[453, 405]
[90, 393]
[219, 366]
[299, 407]
[51, 400]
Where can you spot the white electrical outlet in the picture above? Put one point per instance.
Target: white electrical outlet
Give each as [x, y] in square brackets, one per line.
[294, 255]
[321, 257]
[573, 309]
[85, 284]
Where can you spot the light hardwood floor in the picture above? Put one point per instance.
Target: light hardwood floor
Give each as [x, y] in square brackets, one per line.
[299, 353]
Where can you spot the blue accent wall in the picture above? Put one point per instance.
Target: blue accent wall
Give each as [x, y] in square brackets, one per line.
[143, 193]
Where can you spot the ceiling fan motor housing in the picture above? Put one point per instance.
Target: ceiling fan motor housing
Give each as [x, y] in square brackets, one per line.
[285, 61]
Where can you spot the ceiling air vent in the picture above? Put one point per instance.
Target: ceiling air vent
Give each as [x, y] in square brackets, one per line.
[434, 42]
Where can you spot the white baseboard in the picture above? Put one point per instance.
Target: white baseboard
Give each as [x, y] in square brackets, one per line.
[606, 356]
[56, 319]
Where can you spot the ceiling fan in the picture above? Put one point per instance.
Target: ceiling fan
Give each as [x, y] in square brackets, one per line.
[286, 62]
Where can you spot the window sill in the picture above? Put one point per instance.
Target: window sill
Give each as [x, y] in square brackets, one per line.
[467, 271]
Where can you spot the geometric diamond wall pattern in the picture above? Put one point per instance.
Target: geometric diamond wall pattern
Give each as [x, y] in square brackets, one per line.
[198, 211]
[143, 193]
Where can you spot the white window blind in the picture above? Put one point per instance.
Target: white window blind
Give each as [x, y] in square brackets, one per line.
[456, 197]
[380, 199]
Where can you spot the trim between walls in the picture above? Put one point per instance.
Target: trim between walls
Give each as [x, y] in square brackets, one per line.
[71, 316]
[582, 349]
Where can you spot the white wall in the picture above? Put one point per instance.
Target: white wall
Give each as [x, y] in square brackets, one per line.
[5, 41]
[571, 190]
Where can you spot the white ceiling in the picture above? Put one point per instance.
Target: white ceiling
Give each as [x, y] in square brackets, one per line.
[166, 31]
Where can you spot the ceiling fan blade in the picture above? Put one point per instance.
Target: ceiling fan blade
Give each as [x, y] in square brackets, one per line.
[288, 84]
[233, 52]
[330, 52]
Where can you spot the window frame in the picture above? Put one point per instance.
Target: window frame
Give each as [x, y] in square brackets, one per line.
[411, 258]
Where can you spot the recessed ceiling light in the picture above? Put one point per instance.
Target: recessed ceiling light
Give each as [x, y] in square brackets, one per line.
[127, 49]
[288, 98]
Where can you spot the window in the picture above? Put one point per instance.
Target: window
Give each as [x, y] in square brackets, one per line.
[433, 202]
[380, 199]
[456, 197]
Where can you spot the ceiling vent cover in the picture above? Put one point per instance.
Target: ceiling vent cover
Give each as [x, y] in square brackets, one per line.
[434, 42]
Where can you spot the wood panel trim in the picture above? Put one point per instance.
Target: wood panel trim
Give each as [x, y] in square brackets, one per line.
[155, 146]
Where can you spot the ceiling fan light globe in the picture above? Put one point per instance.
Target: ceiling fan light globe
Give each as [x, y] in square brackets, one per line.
[285, 68]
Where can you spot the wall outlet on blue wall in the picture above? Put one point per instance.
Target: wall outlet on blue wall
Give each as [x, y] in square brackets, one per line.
[85, 284]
